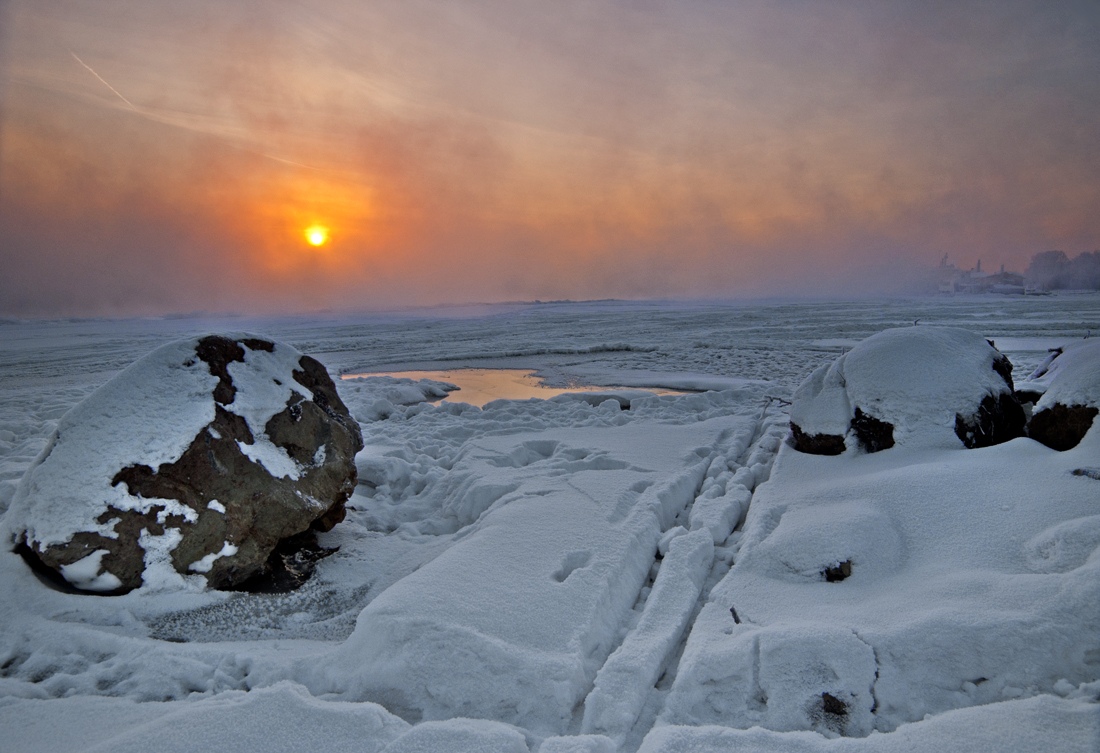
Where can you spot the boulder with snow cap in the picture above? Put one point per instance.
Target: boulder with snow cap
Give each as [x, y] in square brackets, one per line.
[1068, 386]
[908, 385]
[198, 459]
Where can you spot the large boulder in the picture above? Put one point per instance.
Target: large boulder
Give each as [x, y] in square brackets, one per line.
[1067, 387]
[911, 385]
[197, 460]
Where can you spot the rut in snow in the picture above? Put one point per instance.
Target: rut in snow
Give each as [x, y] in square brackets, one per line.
[693, 554]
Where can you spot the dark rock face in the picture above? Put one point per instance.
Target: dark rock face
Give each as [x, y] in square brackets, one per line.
[873, 435]
[838, 572]
[1062, 427]
[233, 512]
[998, 419]
[816, 444]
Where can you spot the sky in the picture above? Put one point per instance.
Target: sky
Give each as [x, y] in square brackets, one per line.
[162, 157]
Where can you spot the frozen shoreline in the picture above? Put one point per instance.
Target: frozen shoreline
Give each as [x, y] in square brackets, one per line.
[444, 487]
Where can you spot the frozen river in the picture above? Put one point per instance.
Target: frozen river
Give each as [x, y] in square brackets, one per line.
[553, 569]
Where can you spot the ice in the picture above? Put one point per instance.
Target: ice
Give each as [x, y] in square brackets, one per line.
[558, 576]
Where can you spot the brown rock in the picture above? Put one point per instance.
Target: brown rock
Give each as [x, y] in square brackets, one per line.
[235, 510]
[1061, 427]
[816, 444]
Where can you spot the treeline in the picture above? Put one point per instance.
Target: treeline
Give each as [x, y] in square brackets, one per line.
[1053, 270]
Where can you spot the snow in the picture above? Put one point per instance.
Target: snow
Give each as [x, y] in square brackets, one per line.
[204, 564]
[153, 410]
[1071, 378]
[557, 576]
[265, 382]
[85, 573]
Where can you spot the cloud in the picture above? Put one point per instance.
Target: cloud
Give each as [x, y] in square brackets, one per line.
[499, 150]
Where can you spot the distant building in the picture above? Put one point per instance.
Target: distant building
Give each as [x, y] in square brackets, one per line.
[951, 280]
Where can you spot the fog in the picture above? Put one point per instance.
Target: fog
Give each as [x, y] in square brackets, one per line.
[158, 159]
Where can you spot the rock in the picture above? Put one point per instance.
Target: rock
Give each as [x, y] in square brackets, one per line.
[873, 435]
[998, 419]
[1062, 427]
[198, 459]
[1069, 385]
[816, 444]
[908, 385]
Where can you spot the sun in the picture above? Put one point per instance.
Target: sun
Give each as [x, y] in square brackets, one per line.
[316, 235]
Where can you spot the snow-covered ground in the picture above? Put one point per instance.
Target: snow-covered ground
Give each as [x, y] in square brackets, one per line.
[558, 575]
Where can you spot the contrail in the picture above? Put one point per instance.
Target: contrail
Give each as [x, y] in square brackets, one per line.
[104, 81]
[175, 121]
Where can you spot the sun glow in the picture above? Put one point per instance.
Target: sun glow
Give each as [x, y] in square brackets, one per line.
[316, 235]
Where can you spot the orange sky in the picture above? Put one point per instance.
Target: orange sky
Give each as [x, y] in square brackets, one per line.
[168, 157]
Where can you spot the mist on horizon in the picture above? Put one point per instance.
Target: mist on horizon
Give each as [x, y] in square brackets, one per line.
[158, 159]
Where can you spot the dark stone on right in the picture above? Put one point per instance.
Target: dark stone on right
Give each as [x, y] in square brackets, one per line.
[830, 704]
[1061, 427]
[873, 435]
[998, 419]
[838, 572]
[816, 444]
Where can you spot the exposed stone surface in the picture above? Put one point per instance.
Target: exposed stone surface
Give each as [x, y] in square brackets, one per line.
[816, 444]
[998, 419]
[873, 435]
[274, 459]
[838, 572]
[1062, 427]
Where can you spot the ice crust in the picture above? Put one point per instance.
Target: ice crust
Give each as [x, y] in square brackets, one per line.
[557, 576]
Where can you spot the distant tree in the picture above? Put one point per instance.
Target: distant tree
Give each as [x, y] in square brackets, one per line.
[1048, 270]
[1084, 271]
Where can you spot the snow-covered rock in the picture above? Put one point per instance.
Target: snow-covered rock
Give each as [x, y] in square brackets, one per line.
[197, 460]
[913, 385]
[1070, 386]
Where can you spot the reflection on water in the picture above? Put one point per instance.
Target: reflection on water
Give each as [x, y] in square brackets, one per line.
[480, 386]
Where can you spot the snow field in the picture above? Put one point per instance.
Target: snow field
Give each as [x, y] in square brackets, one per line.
[976, 631]
[528, 602]
[953, 600]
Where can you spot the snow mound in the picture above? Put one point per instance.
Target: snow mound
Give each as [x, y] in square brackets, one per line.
[908, 386]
